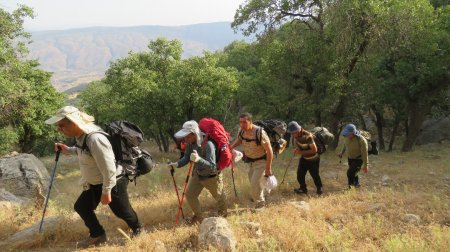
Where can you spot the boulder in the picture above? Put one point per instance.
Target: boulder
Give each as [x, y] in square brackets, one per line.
[216, 232]
[7, 196]
[24, 175]
[301, 205]
[434, 131]
[411, 218]
[50, 225]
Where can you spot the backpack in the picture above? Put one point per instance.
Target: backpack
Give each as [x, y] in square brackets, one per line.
[125, 138]
[372, 146]
[322, 138]
[216, 133]
[275, 129]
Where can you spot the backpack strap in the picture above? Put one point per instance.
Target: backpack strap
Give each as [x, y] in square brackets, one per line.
[257, 139]
[258, 133]
[84, 146]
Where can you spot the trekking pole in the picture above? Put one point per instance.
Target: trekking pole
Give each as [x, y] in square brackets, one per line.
[172, 171]
[232, 177]
[49, 188]
[184, 192]
[289, 164]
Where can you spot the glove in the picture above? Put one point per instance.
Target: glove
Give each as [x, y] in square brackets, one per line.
[194, 156]
[172, 165]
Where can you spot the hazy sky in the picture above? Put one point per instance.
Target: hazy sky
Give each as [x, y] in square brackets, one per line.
[63, 14]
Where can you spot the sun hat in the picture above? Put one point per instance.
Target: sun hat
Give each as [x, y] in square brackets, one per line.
[189, 127]
[84, 121]
[293, 127]
[350, 129]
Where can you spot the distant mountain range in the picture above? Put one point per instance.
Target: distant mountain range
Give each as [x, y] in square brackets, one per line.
[79, 56]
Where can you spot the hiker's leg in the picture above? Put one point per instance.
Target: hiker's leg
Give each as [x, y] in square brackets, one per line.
[314, 171]
[301, 173]
[215, 187]
[120, 204]
[194, 188]
[250, 175]
[358, 165]
[258, 172]
[354, 165]
[85, 205]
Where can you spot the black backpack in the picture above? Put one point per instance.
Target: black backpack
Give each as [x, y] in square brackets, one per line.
[322, 138]
[275, 130]
[372, 145]
[125, 138]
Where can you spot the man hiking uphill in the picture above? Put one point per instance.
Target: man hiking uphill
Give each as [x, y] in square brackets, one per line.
[304, 145]
[205, 173]
[257, 153]
[98, 174]
[356, 147]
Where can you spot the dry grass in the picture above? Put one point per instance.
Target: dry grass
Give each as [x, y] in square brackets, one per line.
[368, 219]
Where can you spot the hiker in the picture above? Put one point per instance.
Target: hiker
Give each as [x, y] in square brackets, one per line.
[305, 146]
[205, 173]
[98, 174]
[257, 153]
[356, 147]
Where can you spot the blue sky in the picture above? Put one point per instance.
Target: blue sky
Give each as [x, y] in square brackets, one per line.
[64, 14]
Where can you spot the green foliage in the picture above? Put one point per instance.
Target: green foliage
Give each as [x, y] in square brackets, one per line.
[7, 138]
[27, 96]
[159, 91]
[330, 62]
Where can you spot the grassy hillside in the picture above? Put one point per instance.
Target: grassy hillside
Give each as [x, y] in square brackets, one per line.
[368, 219]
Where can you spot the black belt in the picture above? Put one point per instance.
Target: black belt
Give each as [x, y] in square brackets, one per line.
[251, 160]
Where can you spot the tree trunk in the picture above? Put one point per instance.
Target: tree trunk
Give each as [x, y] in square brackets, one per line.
[338, 113]
[363, 122]
[28, 140]
[164, 141]
[417, 115]
[379, 122]
[318, 117]
[394, 132]
[158, 142]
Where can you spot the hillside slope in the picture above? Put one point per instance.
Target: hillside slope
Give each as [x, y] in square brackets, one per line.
[372, 218]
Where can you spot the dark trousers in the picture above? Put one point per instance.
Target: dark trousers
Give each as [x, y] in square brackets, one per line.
[354, 166]
[120, 205]
[313, 167]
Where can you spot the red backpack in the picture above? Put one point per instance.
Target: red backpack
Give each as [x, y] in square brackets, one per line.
[216, 132]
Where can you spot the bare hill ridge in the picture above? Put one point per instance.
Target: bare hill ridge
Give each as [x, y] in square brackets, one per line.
[78, 56]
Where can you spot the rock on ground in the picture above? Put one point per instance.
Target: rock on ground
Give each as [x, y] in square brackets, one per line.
[216, 232]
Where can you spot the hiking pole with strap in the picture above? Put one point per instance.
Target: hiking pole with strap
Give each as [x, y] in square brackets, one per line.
[49, 188]
[232, 177]
[289, 164]
[184, 192]
[172, 171]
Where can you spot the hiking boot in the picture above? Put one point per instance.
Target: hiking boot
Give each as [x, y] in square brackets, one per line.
[137, 232]
[300, 191]
[92, 241]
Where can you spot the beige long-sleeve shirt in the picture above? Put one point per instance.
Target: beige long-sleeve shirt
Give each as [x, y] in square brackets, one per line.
[98, 165]
[356, 149]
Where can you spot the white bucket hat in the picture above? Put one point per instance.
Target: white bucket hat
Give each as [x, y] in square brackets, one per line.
[189, 127]
[84, 121]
